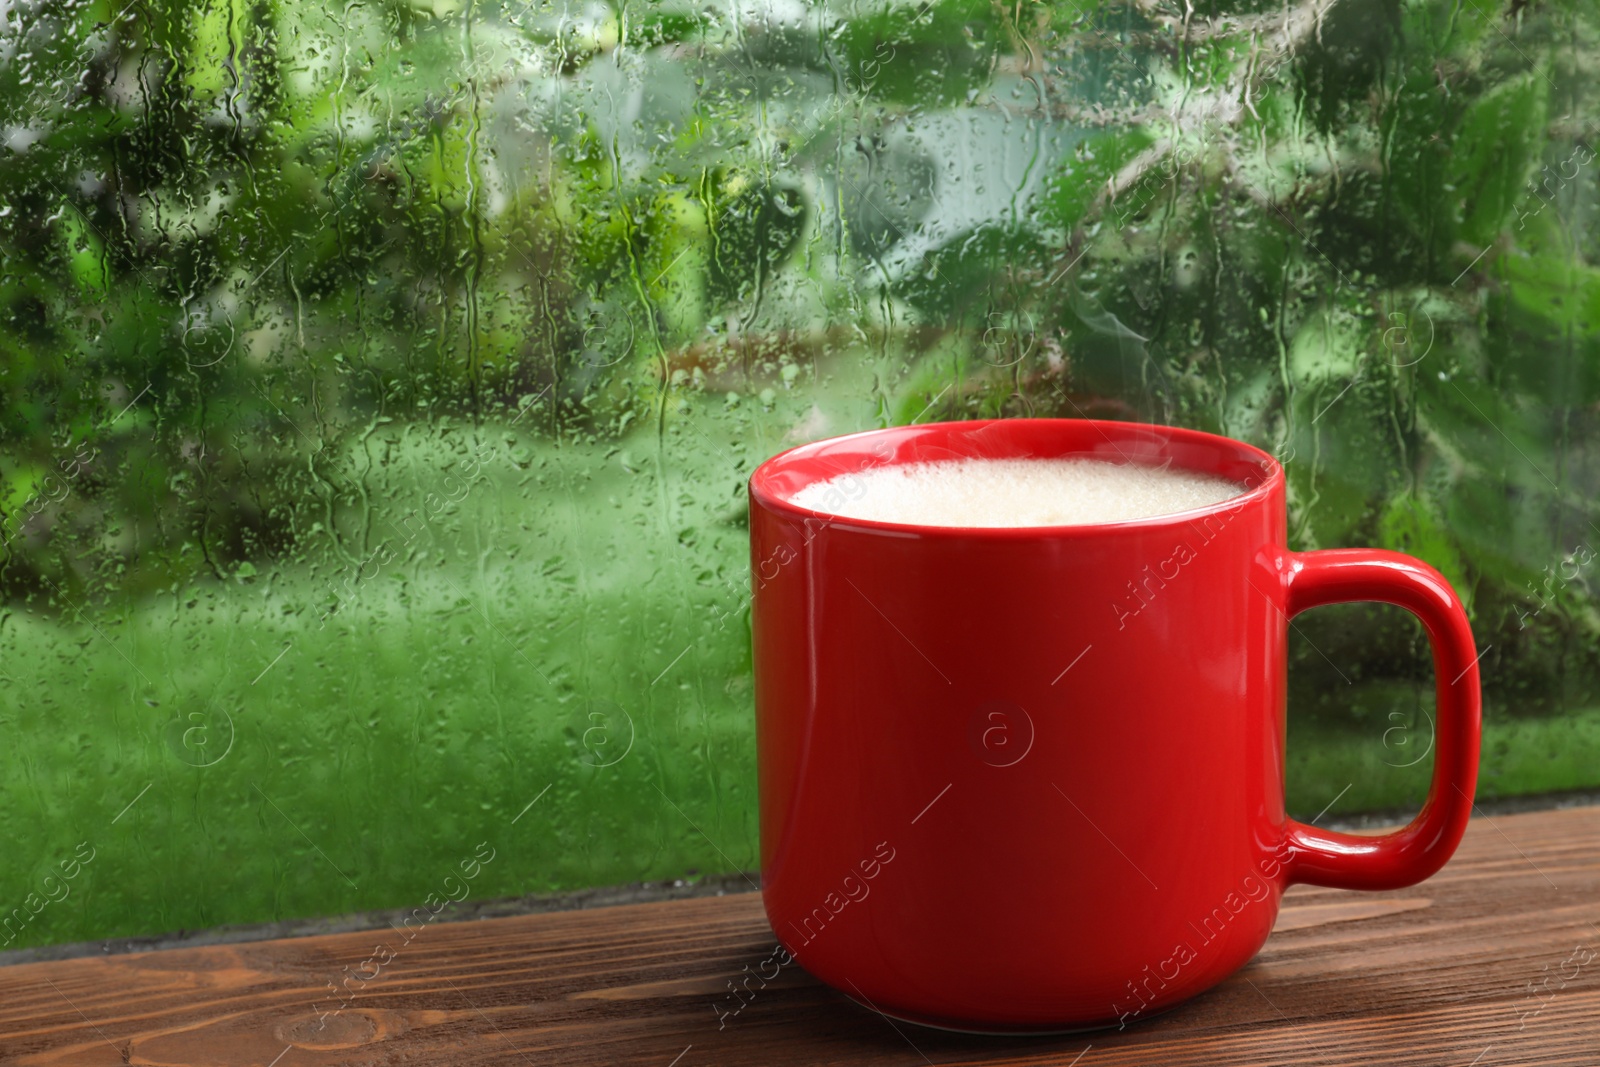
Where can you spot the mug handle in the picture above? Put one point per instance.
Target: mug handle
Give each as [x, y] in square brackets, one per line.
[1408, 855]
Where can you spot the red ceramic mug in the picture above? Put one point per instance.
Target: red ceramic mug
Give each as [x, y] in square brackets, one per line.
[1031, 779]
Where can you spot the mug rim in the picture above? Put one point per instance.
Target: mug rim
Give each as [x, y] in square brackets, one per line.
[764, 493]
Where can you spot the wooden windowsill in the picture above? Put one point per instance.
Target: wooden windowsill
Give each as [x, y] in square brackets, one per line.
[1496, 960]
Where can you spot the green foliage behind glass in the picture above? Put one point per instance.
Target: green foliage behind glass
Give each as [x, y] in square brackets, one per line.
[427, 345]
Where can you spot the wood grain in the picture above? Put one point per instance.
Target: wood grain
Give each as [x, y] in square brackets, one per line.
[1478, 966]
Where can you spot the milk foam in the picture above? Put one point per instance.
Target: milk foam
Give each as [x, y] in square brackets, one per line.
[1014, 492]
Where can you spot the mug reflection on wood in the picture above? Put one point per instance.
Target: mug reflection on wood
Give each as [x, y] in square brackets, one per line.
[1070, 739]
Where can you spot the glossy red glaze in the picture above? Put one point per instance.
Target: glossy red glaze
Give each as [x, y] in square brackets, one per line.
[1032, 779]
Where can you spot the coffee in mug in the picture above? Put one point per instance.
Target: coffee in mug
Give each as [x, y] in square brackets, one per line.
[1015, 492]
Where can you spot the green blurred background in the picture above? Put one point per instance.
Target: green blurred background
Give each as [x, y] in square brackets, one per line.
[379, 382]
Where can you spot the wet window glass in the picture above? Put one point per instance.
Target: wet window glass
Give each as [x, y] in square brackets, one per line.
[378, 383]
